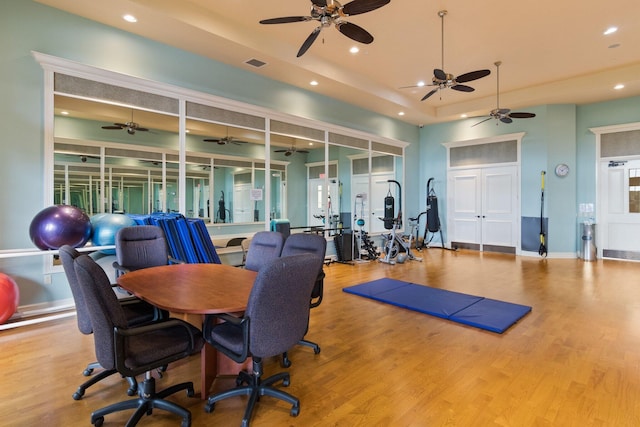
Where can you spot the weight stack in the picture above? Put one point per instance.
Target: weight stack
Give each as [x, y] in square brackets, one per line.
[344, 246]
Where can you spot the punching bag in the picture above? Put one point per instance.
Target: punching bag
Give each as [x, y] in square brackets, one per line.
[389, 211]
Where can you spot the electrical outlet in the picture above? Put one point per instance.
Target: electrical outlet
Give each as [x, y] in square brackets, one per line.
[47, 279]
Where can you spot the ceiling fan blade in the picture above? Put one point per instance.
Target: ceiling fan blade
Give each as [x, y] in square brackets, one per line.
[112, 127]
[142, 129]
[506, 119]
[319, 3]
[462, 88]
[354, 32]
[503, 111]
[309, 41]
[357, 7]
[439, 74]
[522, 115]
[302, 151]
[429, 94]
[285, 20]
[280, 151]
[474, 75]
[216, 140]
[482, 121]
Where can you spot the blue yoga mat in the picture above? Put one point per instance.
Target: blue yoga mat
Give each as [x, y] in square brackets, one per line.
[484, 313]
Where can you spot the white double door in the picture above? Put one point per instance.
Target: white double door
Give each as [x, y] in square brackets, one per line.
[483, 207]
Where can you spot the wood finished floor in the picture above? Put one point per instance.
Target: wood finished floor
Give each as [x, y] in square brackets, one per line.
[573, 361]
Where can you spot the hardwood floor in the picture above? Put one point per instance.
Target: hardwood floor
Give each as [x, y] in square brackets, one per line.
[573, 361]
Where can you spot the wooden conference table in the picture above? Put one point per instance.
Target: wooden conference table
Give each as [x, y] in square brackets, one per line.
[194, 290]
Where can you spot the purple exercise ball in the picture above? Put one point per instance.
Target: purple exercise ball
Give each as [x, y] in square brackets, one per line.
[60, 225]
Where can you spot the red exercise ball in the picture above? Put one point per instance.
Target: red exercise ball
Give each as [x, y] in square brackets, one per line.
[9, 297]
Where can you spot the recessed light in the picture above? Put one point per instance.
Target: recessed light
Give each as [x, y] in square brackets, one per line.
[619, 86]
[610, 30]
[401, 113]
[130, 18]
[464, 116]
[313, 83]
[64, 113]
[420, 83]
[354, 49]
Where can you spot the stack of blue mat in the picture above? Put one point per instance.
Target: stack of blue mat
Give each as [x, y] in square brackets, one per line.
[188, 238]
[480, 312]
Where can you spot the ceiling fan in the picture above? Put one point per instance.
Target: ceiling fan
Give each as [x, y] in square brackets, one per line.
[442, 80]
[225, 140]
[289, 151]
[503, 115]
[131, 126]
[328, 12]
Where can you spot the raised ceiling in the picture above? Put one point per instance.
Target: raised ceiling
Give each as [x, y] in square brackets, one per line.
[552, 52]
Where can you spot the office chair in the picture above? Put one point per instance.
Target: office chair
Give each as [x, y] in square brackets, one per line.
[238, 241]
[317, 245]
[136, 311]
[140, 246]
[134, 350]
[264, 247]
[275, 319]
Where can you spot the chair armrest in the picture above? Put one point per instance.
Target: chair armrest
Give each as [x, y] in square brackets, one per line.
[122, 334]
[241, 326]
[120, 270]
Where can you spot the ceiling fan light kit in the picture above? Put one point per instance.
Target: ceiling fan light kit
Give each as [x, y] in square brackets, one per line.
[328, 12]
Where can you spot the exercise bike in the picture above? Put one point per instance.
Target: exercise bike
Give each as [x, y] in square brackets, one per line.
[394, 243]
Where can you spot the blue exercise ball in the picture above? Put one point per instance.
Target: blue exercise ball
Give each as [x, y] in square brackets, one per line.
[105, 227]
[60, 225]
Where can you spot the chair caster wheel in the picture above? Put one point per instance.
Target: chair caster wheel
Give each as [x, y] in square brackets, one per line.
[209, 407]
[286, 382]
[316, 350]
[78, 395]
[87, 372]
[98, 422]
[295, 411]
[190, 392]
[132, 391]
[286, 363]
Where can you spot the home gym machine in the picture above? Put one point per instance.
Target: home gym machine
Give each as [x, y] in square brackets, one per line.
[361, 239]
[396, 247]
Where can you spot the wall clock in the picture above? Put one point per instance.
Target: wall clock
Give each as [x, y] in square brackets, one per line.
[562, 169]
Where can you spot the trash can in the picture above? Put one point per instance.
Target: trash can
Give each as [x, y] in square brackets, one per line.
[587, 249]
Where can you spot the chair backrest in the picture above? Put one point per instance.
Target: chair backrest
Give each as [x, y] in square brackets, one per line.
[265, 246]
[315, 244]
[141, 246]
[68, 255]
[302, 243]
[105, 311]
[278, 306]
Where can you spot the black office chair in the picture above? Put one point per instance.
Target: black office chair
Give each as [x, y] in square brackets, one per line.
[134, 350]
[264, 247]
[141, 246]
[136, 311]
[275, 319]
[314, 244]
[238, 241]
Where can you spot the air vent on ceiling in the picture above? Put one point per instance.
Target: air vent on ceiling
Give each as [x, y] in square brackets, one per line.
[255, 63]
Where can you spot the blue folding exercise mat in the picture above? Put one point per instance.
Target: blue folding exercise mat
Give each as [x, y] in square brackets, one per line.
[484, 313]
